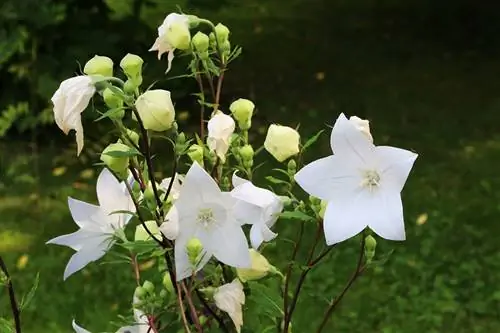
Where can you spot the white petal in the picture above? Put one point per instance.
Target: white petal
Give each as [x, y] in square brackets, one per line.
[394, 165]
[348, 141]
[85, 256]
[113, 197]
[229, 245]
[260, 233]
[389, 223]
[344, 221]
[252, 194]
[326, 177]
[79, 137]
[85, 215]
[76, 240]
[198, 187]
[170, 58]
[238, 180]
[79, 329]
[246, 213]
[170, 228]
[183, 267]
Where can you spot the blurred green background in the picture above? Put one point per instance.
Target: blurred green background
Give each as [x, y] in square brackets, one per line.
[425, 73]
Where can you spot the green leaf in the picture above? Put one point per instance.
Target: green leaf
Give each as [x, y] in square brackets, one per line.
[297, 215]
[29, 296]
[312, 140]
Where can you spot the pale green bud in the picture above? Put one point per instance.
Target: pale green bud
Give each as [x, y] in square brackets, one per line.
[148, 286]
[370, 246]
[113, 158]
[247, 153]
[221, 32]
[282, 142]
[212, 41]
[99, 65]
[201, 42]
[260, 268]
[133, 136]
[167, 283]
[163, 294]
[149, 194]
[242, 110]
[292, 168]
[194, 248]
[131, 65]
[286, 200]
[156, 110]
[314, 200]
[140, 292]
[195, 153]
[178, 35]
[181, 138]
[129, 87]
[113, 101]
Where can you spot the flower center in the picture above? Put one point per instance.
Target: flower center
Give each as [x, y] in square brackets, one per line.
[371, 179]
[206, 217]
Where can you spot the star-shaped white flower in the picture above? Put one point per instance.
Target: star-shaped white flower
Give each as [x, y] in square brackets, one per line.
[70, 100]
[256, 206]
[97, 224]
[230, 298]
[206, 213]
[361, 183]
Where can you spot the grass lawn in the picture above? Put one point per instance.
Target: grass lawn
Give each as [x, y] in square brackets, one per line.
[439, 100]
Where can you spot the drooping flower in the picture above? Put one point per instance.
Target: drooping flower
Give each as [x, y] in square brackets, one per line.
[97, 223]
[230, 298]
[361, 183]
[206, 213]
[220, 128]
[173, 33]
[282, 142]
[70, 100]
[258, 207]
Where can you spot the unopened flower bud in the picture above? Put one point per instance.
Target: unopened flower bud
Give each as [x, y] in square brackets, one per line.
[148, 286]
[113, 101]
[115, 158]
[370, 246]
[131, 65]
[99, 65]
[133, 136]
[292, 168]
[282, 142]
[247, 153]
[201, 42]
[140, 292]
[167, 283]
[242, 110]
[156, 110]
[286, 200]
[221, 33]
[163, 294]
[195, 153]
[129, 87]
[260, 268]
[194, 248]
[181, 138]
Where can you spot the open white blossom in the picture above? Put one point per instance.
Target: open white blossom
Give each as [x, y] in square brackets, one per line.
[176, 186]
[170, 226]
[220, 128]
[141, 323]
[256, 206]
[97, 224]
[206, 213]
[361, 183]
[70, 100]
[230, 298]
[174, 28]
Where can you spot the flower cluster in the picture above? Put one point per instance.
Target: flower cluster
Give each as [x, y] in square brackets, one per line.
[207, 227]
